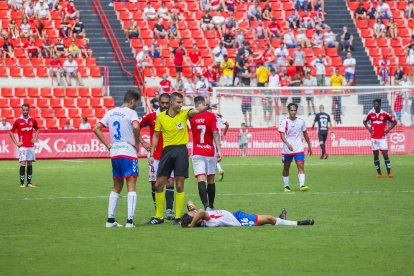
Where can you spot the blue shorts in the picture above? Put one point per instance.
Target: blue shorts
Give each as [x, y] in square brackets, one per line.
[246, 219]
[124, 167]
[299, 157]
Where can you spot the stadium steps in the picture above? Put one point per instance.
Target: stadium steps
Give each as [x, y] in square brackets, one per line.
[119, 82]
[364, 70]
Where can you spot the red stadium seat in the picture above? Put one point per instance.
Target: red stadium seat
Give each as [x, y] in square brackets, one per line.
[24, 62]
[100, 112]
[84, 92]
[28, 72]
[20, 92]
[82, 102]
[69, 102]
[30, 102]
[7, 92]
[3, 72]
[36, 62]
[15, 102]
[42, 103]
[51, 124]
[95, 72]
[71, 92]
[96, 102]
[47, 113]
[73, 113]
[90, 62]
[33, 92]
[109, 102]
[87, 112]
[46, 92]
[97, 92]
[42, 72]
[4, 103]
[150, 91]
[6, 113]
[9, 62]
[58, 92]
[15, 72]
[56, 103]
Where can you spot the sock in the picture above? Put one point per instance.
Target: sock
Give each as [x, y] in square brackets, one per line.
[202, 191]
[323, 149]
[22, 173]
[285, 222]
[211, 191]
[286, 180]
[132, 202]
[113, 201]
[169, 197]
[301, 177]
[179, 203]
[159, 204]
[153, 192]
[29, 174]
[219, 168]
[377, 166]
[388, 165]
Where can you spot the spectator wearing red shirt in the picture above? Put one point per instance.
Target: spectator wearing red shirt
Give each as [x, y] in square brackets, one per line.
[71, 11]
[273, 30]
[56, 69]
[31, 48]
[195, 60]
[178, 56]
[211, 76]
[25, 126]
[165, 84]
[398, 104]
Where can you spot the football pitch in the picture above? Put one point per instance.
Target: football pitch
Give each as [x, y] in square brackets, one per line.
[363, 225]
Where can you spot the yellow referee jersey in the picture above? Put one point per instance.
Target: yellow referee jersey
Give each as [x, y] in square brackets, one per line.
[174, 129]
[336, 81]
[262, 74]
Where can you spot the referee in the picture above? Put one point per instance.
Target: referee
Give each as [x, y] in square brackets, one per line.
[173, 125]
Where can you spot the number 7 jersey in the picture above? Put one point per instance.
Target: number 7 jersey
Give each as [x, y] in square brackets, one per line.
[202, 127]
[119, 121]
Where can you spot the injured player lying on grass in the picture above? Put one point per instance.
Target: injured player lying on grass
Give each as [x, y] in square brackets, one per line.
[223, 218]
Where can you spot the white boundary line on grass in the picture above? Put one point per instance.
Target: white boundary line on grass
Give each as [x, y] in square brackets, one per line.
[243, 194]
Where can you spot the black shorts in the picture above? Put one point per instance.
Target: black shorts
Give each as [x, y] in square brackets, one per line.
[246, 108]
[283, 99]
[322, 136]
[296, 100]
[310, 98]
[260, 84]
[179, 68]
[174, 158]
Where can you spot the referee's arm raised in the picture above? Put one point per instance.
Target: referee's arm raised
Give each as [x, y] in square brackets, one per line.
[201, 109]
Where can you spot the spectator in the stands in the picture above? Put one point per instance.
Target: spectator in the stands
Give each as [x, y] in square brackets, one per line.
[178, 9]
[239, 35]
[159, 29]
[309, 81]
[195, 60]
[156, 49]
[302, 40]
[85, 124]
[179, 86]
[173, 29]
[189, 92]
[202, 87]
[296, 81]
[60, 48]
[86, 51]
[25, 29]
[410, 54]
[361, 12]
[392, 29]
[207, 21]
[163, 12]
[218, 22]
[71, 11]
[273, 29]
[30, 11]
[70, 67]
[68, 126]
[179, 55]
[267, 12]
[78, 29]
[384, 70]
[73, 49]
[132, 32]
[284, 82]
[4, 125]
[301, 5]
[230, 22]
[330, 39]
[56, 69]
[47, 47]
[254, 12]
[42, 10]
[379, 29]
[409, 11]
[258, 32]
[346, 39]
[240, 61]
[228, 5]
[320, 64]
[216, 5]
[165, 84]
[149, 12]
[65, 29]
[262, 74]
[289, 39]
[337, 80]
[406, 93]
[383, 10]
[319, 20]
[294, 20]
[227, 40]
[372, 11]
[317, 39]
[154, 102]
[219, 51]
[281, 54]
[399, 74]
[32, 50]
[227, 66]
[13, 29]
[349, 63]
[268, 57]
[318, 5]
[6, 50]
[299, 60]
[144, 61]
[307, 21]
[211, 76]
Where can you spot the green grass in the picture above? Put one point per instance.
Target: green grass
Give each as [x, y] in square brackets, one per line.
[364, 225]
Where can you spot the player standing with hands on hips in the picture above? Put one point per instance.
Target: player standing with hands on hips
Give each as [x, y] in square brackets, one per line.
[25, 126]
[291, 129]
[124, 134]
[378, 122]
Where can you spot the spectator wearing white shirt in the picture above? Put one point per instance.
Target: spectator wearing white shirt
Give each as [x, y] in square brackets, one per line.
[274, 81]
[202, 87]
[289, 39]
[189, 91]
[379, 29]
[254, 12]
[281, 54]
[383, 10]
[4, 125]
[149, 12]
[219, 51]
[349, 64]
[405, 92]
[30, 10]
[85, 124]
[70, 67]
[308, 81]
[317, 39]
[330, 39]
[143, 60]
[302, 40]
[320, 64]
[42, 10]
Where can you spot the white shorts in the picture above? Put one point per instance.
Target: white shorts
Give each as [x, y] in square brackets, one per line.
[379, 144]
[227, 80]
[152, 171]
[203, 165]
[27, 154]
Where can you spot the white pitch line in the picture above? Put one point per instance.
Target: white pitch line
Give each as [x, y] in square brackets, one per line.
[190, 195]
[72, 160]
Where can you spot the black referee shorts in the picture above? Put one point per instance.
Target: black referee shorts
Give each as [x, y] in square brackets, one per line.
[174, 158]
[322, 136]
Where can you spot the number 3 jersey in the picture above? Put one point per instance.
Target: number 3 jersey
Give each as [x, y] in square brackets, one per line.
[119, 121]
[202, 127]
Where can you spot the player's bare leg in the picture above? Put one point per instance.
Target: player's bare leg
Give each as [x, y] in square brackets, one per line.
[268, 219]
[169, 198]
[387, 162]
[131, 201]
[377, 163]
[301, 176]
[211, 190]
[221, 171]
[179, 198]
[285, 176]
[113, 201]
